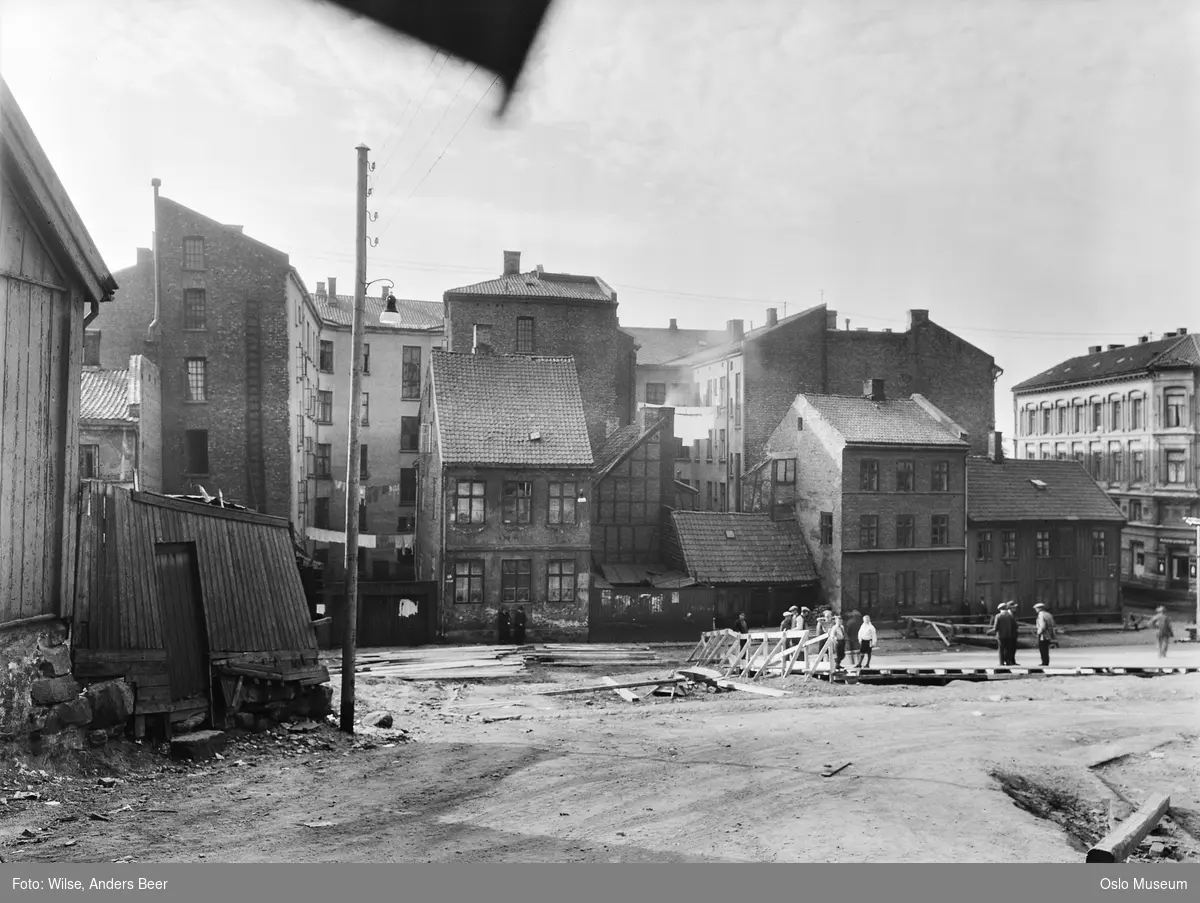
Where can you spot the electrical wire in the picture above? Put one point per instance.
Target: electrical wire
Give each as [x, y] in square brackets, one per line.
[432, 59]
[452, 137]
[416, 113]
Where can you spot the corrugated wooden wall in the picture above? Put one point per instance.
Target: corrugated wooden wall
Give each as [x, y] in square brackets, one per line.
[40, 346]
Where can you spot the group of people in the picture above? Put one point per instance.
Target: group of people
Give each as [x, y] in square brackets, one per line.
[861, 633]
[512, 628]
[1004, 625]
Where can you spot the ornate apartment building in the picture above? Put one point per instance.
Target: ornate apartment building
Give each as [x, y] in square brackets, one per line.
[1129, 415]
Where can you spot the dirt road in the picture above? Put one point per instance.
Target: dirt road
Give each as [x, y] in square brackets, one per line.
[591, 777]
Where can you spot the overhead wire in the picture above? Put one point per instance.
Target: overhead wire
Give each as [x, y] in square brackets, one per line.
[452, 137]
[416, 113]
[404, 112]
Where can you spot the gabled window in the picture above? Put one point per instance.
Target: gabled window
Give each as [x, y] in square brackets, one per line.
[518, 499]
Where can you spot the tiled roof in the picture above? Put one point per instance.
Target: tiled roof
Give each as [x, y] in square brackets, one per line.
[726, 345]
[616, 444]
[104, 395]
[414, 314]
[541, 285]
[658, 346]
[489, 405]
[894, 421]
[643, 575]
[1004, 492]
[1118, 362]
[761, 550]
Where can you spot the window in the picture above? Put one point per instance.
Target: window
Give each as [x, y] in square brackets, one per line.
[1028, 423]
[324, 459]
[708, 446]
[656, 393]
[1115, 463]
[362, 517]
[1099, 593]
[939, 530]
[518, 497]
[1045, 421]
[1097, 416]
[869, 476]
[469, 507]
[365, 409]
[1079, 418]
[1008, 539]
[1136, 421]
[321, 513]
[325, 364]
[826, 528]
[515, 580]
[737, 399]
[1066, 595]
[1042, 544]
[1066, 543]
[906, 588]
[983, 546]
[408, 485]
[524, 335]
[324, 406]
[89, 462]
[410, 433]
[561, 503]
[1137, 468]
[197, 379]
[724, 497]
[904, 476]
[1096, 468]
[1116, 415]
[1135, 509]
[194, 309]
[868, 531]
[785, 471]
[1175, 404]
[939, 587]
[193, 253]
[560, 581]
[91, 349]
[721, 450]
[710, 495]
[1099, 544]
[366, 367]
[941, 476]
[196, 451]
[468, 581]
[1176, 466]
[410, 372]
[868, 591]
[1063, 426]
[906, 531]
[364, 469]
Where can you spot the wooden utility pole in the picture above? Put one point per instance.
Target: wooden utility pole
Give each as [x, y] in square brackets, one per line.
[350, 612]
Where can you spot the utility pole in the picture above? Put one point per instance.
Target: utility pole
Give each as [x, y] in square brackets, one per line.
[1195, 522]
[350, 612]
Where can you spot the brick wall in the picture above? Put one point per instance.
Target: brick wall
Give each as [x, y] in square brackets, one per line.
[123, 321]
[629, 504]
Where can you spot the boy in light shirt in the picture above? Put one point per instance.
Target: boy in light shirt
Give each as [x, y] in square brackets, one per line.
[867, 638]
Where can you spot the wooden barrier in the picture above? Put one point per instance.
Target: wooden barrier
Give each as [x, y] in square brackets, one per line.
[1123, 840]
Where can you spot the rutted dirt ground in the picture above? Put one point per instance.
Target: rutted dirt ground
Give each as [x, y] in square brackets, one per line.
[590, 777]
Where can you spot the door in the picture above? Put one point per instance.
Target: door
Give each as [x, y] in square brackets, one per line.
[1177, 569]
[397, 618]
[185, 637]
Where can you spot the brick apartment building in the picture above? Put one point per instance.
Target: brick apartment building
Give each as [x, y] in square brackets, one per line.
[742, 385]
[223, 316]
[557, 315]
[878, 486]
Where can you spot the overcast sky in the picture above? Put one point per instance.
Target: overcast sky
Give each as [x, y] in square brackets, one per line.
[1025, 169]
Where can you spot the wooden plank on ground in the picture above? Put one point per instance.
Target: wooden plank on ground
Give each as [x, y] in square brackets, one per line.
[832, 772]
[629, 684]
[626, 694]
[750, 688]
[1119, 843]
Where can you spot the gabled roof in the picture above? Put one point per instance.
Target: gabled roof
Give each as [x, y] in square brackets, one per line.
[659, 346]
[655, 575]
[727, 345]
[57, 214]
[620, 443]
[104, 395]
[509, 409]
[1127, 361]
[760, 551]
[238, 231]
[414, 315]
[894, 421]
[1006, 492]
[535, 284]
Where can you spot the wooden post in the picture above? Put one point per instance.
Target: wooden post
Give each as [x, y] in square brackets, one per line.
[1123, 840]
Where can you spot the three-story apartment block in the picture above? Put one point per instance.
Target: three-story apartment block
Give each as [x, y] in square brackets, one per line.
[1129, 415]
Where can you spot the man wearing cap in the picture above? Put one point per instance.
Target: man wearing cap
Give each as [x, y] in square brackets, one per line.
[1005, 627]
[790, 617]
[1045, 632]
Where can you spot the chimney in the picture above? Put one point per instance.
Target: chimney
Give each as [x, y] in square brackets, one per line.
[831, 319]
[512, 263]
[145, 256]
[483, 339]
[847, 324]
[384, 291]
[1115, 347]
[996, 447]
[873, 389]
[674, 324]
[320, 288]
[1094, 349]
[1143, 339]
[736, 328]
[1182, 330]
[333, 288]
[917, 318]
[772, 316]
[540, 271]
[1168, 335]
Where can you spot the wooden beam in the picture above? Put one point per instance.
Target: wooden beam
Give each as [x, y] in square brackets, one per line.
[629, 684]
[626, 694]
[750, 688]
[1119, 843]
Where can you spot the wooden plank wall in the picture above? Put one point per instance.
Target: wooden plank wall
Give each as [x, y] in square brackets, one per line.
[38, 420]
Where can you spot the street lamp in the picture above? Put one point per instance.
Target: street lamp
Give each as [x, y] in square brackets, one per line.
[1195, 522]
[390, 316]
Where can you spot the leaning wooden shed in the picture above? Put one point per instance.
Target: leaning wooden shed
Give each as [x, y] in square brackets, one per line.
[200, 608]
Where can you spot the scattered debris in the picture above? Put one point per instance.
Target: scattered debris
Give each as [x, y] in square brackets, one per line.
[378, 719]
[96, 816]
[496, 718]
[832, 772]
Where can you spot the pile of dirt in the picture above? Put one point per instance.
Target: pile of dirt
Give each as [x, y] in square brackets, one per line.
[1084, 821]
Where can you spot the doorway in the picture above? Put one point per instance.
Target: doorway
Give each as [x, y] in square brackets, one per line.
[185, 637]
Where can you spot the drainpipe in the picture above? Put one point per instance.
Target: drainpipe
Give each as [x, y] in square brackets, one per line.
[442, 572]
[153, 327]
[95, 311]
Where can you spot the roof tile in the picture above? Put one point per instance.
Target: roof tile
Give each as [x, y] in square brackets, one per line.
[1119, 362]
[1004, 492]
[541, 285]
[659, 346]
[761, 550]
[894, 421]
[420, 315]
[104, 395]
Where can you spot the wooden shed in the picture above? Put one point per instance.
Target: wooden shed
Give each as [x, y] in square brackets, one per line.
[193, 604]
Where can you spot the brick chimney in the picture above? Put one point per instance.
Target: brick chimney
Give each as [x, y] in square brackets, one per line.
[873, 389]
[482, 343]
[736, 329]
[333, 288]
[995, 450]
[674, 324]
[512, 263]
[1115, 347]
[772, 316]
[1143, 339]
[145, 256]
[320, 288]
[1094, 349]
[1182, 330]
[917, 318]
[831, 319]
[384, 291]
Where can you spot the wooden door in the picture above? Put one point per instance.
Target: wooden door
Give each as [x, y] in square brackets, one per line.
[395, 619]
[184, 634]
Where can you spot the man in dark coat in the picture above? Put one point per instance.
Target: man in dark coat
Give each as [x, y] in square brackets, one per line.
[504, 622]
[742, 626]
[519, 626]
[1005, 627]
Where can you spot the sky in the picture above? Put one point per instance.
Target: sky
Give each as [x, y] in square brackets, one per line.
[1026, 170]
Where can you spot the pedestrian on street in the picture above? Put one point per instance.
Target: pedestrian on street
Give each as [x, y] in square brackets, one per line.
[1162, 626]
[1045, 632]
[504, 627]
[519, 626]
[838, 631]
[867, 638]
[853, 623]
[789, 620]
[742, 626]
[806, 617]
[1004, 625]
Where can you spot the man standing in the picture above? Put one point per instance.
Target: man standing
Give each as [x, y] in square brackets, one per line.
[1045, 632]
[867, 638]
[1162, 627]
[853, 623]
[838, 631]
[741, 625]
[505, 634]
[519, 626]
[1005, 627]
